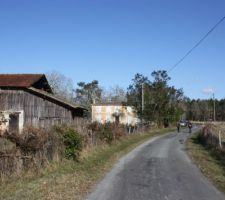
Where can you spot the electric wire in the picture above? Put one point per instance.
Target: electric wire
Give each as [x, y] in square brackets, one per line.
[197, 44]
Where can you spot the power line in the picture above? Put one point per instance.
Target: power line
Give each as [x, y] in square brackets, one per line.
[197, 44]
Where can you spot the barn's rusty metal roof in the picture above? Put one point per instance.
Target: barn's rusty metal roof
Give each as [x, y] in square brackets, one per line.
[54, 98]
[38, 81]
[19, 80]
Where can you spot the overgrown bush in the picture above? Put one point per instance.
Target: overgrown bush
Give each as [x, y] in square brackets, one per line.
[8, 164]
[29, 151]
[119, 131]
[34, 140]
[6, 147]
[72, 140]
[200, 138]
[106, 133]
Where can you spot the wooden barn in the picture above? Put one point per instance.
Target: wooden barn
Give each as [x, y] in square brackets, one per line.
[28, 100]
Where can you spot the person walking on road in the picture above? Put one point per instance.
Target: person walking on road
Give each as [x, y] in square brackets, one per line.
[178, 127]
[190, 126]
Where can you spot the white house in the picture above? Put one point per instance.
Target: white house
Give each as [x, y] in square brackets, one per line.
[114, 113]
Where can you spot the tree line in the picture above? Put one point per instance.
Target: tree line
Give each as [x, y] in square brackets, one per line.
[203, 110]
[153, 98]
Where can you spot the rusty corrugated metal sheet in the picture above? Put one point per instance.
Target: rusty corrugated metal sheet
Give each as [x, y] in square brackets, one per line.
[52, 97]
[19, 80]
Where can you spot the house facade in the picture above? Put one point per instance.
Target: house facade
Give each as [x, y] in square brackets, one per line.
[114, 114]
[28, 100]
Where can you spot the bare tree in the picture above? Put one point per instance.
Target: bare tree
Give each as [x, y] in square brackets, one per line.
[62, 86]
[114, 94]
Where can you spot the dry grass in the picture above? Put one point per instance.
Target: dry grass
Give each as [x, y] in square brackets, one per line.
[219, 127]
[209, 160]
[69, 179]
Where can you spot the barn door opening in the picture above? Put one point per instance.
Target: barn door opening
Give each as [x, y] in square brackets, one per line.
[117, 119]
[14, 122]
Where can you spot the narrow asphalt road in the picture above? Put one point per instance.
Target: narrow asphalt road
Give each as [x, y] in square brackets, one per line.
[157, 170]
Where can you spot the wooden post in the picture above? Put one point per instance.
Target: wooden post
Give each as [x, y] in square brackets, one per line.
[220, 142]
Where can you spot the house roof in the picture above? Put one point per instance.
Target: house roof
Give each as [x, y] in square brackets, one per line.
[38, 81]
[110, 104]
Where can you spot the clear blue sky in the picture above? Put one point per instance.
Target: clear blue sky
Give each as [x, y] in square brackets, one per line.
[111, 40]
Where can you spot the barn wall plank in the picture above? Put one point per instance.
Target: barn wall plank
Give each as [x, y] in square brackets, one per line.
[38, 112]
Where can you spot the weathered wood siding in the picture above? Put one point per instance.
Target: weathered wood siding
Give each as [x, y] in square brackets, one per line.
[38, 112]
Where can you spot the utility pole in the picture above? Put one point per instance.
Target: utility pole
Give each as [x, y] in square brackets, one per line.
[143, 98]
[142, 103]
[93, 98]
[214, 108]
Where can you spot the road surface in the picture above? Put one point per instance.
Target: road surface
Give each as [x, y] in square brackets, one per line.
[157, 170]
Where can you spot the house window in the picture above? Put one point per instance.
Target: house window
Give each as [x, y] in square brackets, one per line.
[117, 119]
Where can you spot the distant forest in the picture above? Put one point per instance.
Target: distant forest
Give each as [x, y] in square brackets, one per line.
[203, 110]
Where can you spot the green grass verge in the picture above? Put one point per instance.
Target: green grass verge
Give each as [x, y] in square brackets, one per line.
[73, 180]
[209, 160]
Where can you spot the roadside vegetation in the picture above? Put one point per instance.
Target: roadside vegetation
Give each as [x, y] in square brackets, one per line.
[70, 179]
[210, 160]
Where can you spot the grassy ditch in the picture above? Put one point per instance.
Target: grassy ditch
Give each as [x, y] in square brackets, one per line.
[209, 160]
[70, 179]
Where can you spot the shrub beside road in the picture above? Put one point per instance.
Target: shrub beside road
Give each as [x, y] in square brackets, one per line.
[210, 160]
[70, 179]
